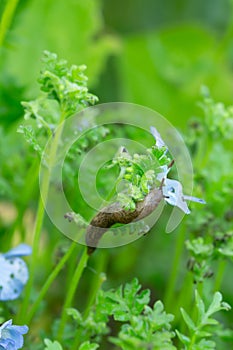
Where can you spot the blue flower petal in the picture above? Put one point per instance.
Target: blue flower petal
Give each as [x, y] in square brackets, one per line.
[7, 344]
[13, 334]
[14, 275]
[11, 337]
[20, 250]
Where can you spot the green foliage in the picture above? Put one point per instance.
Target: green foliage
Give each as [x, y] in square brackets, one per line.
[138, 173]
[125, 303]
[64, 93]
[218, 118]
[211, 229]
[94, 326]
[66, 85]
[30, 137]
[151, 330]
[88, 346]
[141, 325]
[145, 327]
[52, 345]
[201, 329]
[162, 69]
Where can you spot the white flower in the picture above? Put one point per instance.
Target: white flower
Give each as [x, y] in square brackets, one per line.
[173, 194]
[159, 141]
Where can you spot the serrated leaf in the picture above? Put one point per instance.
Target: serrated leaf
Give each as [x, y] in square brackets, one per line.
[158, 317]
[126, 302]
[141, 300]
[131, 289]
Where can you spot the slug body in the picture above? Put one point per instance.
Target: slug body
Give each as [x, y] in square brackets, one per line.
[114, 213]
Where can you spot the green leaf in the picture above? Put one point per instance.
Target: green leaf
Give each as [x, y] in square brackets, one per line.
[52, 345]
[199, 248]
[75, 314]
[200, 306]
[183, 338]
[217, 305]
[188, 320]
[205, 345]
[159, 319]
[88, 346]
[128, 301]
[30, 137]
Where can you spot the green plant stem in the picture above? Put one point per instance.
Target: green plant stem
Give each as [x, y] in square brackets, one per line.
[7, 17]
[39, 220]
[71, 292]
[96, 284]
[30, 182]
[170, 289]
[49, 281]
[32, 266]
[70, 269]
[193, 340]
[219, 275]
[185, 299]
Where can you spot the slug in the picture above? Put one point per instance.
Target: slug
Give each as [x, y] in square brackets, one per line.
[114, 213]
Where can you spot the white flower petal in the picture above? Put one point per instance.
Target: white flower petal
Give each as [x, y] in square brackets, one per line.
[159, 141]
[194, 199]
[172, 191]
[164, 172]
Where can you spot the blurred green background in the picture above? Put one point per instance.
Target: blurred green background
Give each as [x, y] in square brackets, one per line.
[151, 52]
[155, 53]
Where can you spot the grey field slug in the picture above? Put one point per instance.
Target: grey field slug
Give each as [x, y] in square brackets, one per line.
[114, 213]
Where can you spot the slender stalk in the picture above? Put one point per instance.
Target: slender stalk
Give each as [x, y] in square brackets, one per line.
[30, 181]
[32, 266]
[39, 220]
[185, 299]
[70, 270]
[71, 291]
[49, 281]
[220, 275]
[170, 289]
[97, 282]
[7, 17]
